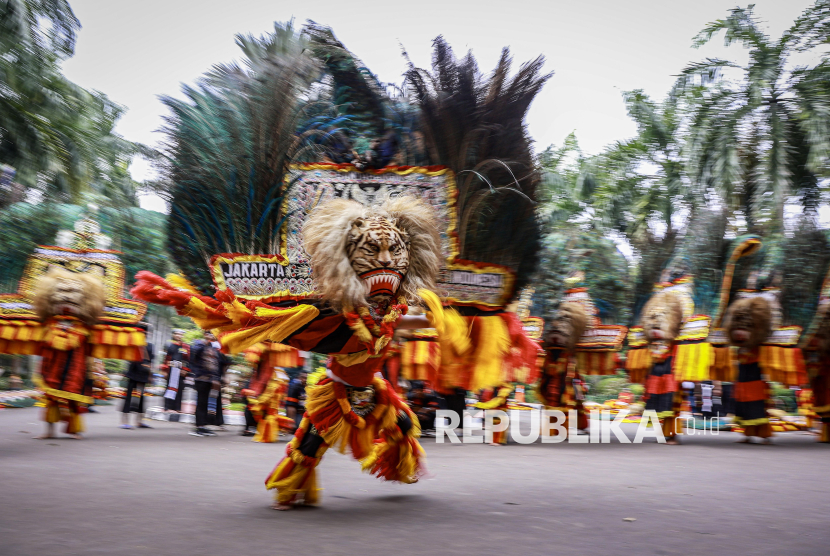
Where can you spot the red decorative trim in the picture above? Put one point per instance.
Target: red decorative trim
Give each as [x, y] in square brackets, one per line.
[379, 171]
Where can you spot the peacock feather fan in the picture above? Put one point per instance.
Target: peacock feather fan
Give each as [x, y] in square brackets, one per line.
[229, 144]
[475, 125]
[367, 114]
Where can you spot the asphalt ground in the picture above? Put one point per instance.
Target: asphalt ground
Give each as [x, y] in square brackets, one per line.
[160, 491]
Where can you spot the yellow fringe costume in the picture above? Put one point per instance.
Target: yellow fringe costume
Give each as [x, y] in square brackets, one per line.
[498, 401]
[381, 434]
[265, 409]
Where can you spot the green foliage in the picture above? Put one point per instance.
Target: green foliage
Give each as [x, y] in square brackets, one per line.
[605, 269]
[530, 394]
[183, 323]
[719, 157]
[58, 136]
[796, 263]
[22, 227]
[192, 335]
[138, 233]
[115, 366]
[571, 196]
[35, 29]
[603, 388]
[783, 397]
[141, 236]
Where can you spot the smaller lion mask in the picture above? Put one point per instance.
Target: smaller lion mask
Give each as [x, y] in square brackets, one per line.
[662, 317]
[748, 322]
[76, 294]
[566, 327]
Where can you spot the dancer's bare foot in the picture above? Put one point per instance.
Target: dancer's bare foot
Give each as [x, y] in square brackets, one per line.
[672, 442]
[280, 507]
[76, 436]
[49, 434]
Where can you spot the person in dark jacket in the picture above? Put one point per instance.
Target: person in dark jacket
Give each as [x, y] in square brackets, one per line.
[295, 398]
[175, 364]
[138, 375]
[424, 403]
[206, 369]
[216, 416]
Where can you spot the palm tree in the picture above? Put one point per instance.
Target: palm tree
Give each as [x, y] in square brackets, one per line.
[762, 138]
[578, 236]
[567, 186]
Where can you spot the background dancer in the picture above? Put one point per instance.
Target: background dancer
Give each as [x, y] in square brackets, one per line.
[138, 375]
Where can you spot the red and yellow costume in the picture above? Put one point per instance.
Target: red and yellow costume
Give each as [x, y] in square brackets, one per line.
[556, 389]
[68, 314]
[497, 401]
[815, 347]
[266, 390]
[265, 409]
[662, 394]
[751, 396]
[818, 369]
[384, 438]
[421, 357]
[392, 365]
[64, 348]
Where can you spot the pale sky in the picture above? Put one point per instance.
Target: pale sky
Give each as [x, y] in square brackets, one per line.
[136, 50]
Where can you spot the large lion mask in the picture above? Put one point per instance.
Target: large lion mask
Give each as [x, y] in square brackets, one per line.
[76, 294]
[566, 327]
[662, 317]
[748, 322]
[360, 253]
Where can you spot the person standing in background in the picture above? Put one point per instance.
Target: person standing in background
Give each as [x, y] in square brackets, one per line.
[205, 367]
[216, 416]
[295, 398]
[717, 399]
[706, 399]
[176, 357]
[424, 403]
[138, 375]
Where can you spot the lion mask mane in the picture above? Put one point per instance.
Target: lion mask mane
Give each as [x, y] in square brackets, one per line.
[77, 294]
[662, 317]
[340, 236]
[748, 322]
[566, 327]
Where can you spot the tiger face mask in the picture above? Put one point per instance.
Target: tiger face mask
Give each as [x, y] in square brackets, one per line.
[378, 252]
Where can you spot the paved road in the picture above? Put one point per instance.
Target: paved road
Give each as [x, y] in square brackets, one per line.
[162, 492]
